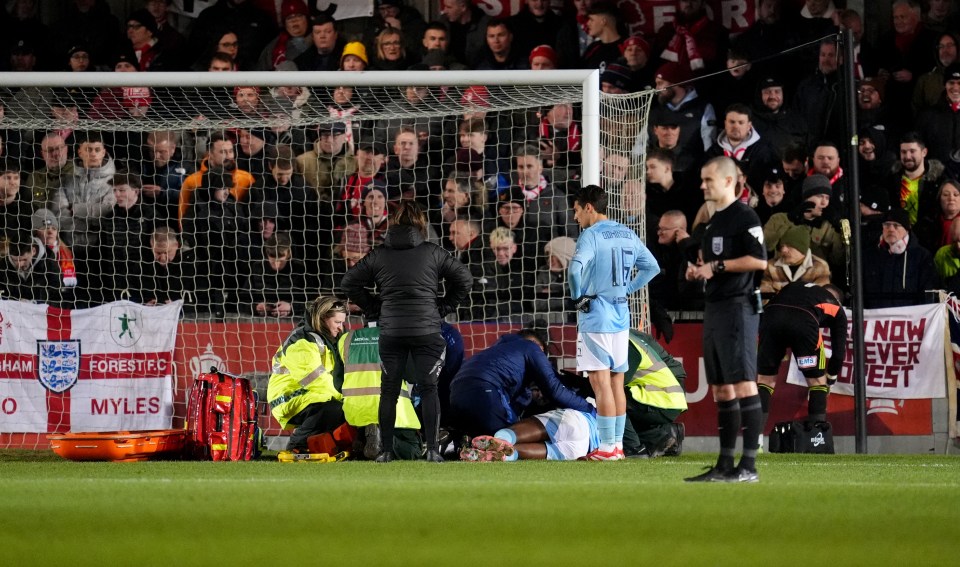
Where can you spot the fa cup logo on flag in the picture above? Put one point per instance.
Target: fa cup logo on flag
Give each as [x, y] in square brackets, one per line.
[59, 364]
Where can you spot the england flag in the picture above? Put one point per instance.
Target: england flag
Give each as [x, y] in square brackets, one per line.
[108, 368]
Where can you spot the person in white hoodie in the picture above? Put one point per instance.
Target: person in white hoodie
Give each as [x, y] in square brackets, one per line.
[741, 142]
[86, 196]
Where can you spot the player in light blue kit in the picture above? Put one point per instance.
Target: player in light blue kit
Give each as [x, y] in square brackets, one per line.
[601, 276]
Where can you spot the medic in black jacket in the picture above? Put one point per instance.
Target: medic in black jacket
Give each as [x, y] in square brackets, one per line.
[407, 272]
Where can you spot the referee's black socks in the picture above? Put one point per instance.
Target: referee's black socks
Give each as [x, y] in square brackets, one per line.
[728, 420]
[751, 415]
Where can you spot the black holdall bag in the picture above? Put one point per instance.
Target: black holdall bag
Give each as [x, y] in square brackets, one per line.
[802, 437]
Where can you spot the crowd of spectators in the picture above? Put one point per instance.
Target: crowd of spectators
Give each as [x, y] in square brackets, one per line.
[252, 220]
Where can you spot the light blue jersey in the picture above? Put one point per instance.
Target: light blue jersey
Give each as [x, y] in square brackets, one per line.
[606, 255]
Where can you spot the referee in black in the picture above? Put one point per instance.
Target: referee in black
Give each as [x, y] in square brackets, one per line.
[407, 272]
[793, 319]
[731, 253]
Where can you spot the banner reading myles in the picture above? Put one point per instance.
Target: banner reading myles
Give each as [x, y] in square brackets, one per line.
[107, 368]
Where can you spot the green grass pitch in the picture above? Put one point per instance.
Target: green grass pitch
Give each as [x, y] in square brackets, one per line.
[807, 510]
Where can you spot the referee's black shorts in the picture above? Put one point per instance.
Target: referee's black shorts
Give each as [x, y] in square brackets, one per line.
[783, 328]
[730, 341]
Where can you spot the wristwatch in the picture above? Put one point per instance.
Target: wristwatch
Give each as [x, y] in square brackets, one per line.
[719, 267]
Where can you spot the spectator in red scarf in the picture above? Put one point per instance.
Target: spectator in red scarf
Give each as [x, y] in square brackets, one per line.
[348, 203]
[150, 52]
[693, 40]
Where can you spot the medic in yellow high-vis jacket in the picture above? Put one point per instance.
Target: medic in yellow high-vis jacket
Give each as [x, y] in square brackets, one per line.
[655, 398]
[307, 374]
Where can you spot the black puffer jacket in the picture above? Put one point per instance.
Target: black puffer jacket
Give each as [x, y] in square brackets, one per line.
[407, 272]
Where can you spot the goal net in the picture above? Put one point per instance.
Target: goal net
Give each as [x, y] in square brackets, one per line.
[153, 230]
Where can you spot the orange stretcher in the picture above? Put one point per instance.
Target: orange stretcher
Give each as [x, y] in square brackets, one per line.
[119, 445]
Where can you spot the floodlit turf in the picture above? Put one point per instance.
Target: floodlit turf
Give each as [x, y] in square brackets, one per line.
[806, 510]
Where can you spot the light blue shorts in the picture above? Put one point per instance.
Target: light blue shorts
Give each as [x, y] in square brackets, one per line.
[603, 351]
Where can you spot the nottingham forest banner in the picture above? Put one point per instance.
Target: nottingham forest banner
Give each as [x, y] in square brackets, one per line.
[903, 352]
[101, 369]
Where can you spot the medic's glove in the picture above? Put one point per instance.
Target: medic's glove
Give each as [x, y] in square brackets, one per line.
[582, 303]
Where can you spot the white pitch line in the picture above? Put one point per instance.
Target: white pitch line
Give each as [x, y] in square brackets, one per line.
[501, 483]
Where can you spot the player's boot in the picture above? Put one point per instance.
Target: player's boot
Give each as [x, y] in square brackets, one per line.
[712, 474]
[615, 455]
[493, 445]
[474, 455]
[471, 455]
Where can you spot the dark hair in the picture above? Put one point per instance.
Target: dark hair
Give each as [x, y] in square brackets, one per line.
[593, 195]
[473, 125]
[321, 18]
[277, 245]
[737, 54]
[220, 136]
[794, 153]
[20, 245]
[540, 335]
[283, 157]
[659, 154]
[739, 108]
[131, 179]
[89, 138]
[497, 22]
[8, 164]
[436, 25]
[826, 144]
[913, 138]
[410, 213]
[221, 57]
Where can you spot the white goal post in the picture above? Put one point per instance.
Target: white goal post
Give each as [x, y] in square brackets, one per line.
[559, 119]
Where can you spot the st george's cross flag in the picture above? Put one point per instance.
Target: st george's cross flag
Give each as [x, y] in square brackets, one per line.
[107, 368]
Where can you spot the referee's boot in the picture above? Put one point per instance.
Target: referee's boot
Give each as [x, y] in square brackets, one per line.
[743, 475]
[712, 474]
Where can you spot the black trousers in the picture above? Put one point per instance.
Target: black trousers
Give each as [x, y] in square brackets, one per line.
[321, 417]
[426, 354]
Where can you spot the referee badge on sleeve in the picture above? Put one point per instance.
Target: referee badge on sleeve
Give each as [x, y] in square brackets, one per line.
[716, 246]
